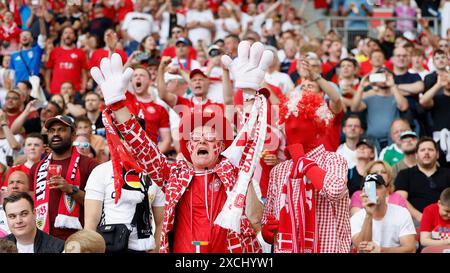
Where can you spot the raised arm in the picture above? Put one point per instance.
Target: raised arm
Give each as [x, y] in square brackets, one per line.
[169, 98]
[427, 99]
[402, 102]
[357, 104]
[113, 82]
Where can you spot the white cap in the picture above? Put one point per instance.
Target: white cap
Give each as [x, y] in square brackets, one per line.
[169, 76]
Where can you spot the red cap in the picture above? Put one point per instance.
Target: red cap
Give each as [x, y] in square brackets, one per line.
[197, 71]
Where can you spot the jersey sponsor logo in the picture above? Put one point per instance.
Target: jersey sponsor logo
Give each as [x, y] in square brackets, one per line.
[215, 185]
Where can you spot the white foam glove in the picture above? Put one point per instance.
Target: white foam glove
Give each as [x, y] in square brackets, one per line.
[249, 68]
[111, 78]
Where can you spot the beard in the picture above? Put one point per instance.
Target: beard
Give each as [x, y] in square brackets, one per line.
[27, 44]
[61, 147]
[410, 152]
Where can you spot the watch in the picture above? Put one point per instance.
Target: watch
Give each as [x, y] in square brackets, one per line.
[75, 189]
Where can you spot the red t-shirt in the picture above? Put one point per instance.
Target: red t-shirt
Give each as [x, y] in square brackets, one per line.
[101, 53]
[123, 10]
[170, 51]
[433, 222]
[320, 4]
[195, 215]
[366, 67]
[86, 166]
[331, 139]
[12, 118]
[67, 65]
[156, 117]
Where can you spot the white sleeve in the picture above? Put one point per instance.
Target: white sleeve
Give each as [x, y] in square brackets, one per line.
[356, 222]
[181, 19]
[156, 196]
[407, 227]
[189, 17]
[126, 21]
[95, 185]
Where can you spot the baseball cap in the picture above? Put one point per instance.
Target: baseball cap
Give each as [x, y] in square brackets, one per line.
[66, 120]
[367, 142]
[182, 40]
[408, 134]
[214, 50]
[170, 76]
[374, 177]
[197, 71]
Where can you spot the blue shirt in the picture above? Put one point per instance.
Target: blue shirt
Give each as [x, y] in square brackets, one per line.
[21, 59]
[357, 24]
[381, 111]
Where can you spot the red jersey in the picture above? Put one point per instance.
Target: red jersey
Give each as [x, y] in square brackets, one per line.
[67, 65]
[155, 116]
[101, 53]
[198, 207]
[208, 106]
[326, 68]
[170, 51]
[123, 9]
[366, 67]
[433, 222]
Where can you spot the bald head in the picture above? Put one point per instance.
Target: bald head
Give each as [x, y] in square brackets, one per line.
[18, 182]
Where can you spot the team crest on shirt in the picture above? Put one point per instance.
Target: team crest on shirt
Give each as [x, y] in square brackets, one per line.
[73, 56]
[69, 202]
[151, 109]
[30, 54]
[215, 186]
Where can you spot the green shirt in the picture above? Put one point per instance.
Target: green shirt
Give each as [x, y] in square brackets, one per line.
[391, 154]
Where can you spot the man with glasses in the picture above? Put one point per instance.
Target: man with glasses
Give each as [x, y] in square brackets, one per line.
[421, 185]
[382, 227]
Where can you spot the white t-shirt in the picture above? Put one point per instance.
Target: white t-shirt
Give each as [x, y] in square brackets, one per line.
[348, 154]
[165, 25]
[100, 187]
[199, 33]
[25, 248]
[257, 22]
[176, 62]
[138, 25]
[4, 229]
[215, 90]
[387, 232]
[230, 23]
[5, 148]
[282, 80]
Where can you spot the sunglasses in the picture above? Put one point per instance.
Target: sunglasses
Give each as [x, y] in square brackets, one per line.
[81, 144]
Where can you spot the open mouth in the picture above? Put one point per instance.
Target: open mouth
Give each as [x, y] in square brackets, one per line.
[138, 84]
[56, 140]
[202, 152]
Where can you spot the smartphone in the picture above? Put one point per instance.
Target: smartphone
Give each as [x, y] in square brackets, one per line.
[370, 188]
[142, 56]
[377, 77]
[9, 161]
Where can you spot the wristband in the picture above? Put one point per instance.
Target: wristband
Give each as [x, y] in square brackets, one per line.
[117, 105]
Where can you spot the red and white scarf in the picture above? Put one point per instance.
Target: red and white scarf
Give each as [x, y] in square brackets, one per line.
[68, 208]
[305, 239]
[246, 157]
[119, 155]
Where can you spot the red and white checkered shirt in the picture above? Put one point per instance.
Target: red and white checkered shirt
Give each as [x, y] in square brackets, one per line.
[332, 210]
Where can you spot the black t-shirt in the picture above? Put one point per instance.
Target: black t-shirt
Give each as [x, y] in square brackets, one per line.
[98, 27]
[430, 80]
[355, 181]
[388, 49]
[422, 190]
[98, 128]
[32, 125]
[407, 78]
[439, 112]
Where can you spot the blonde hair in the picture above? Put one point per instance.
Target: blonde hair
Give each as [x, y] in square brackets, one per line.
[390, 174]
[85, 241]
